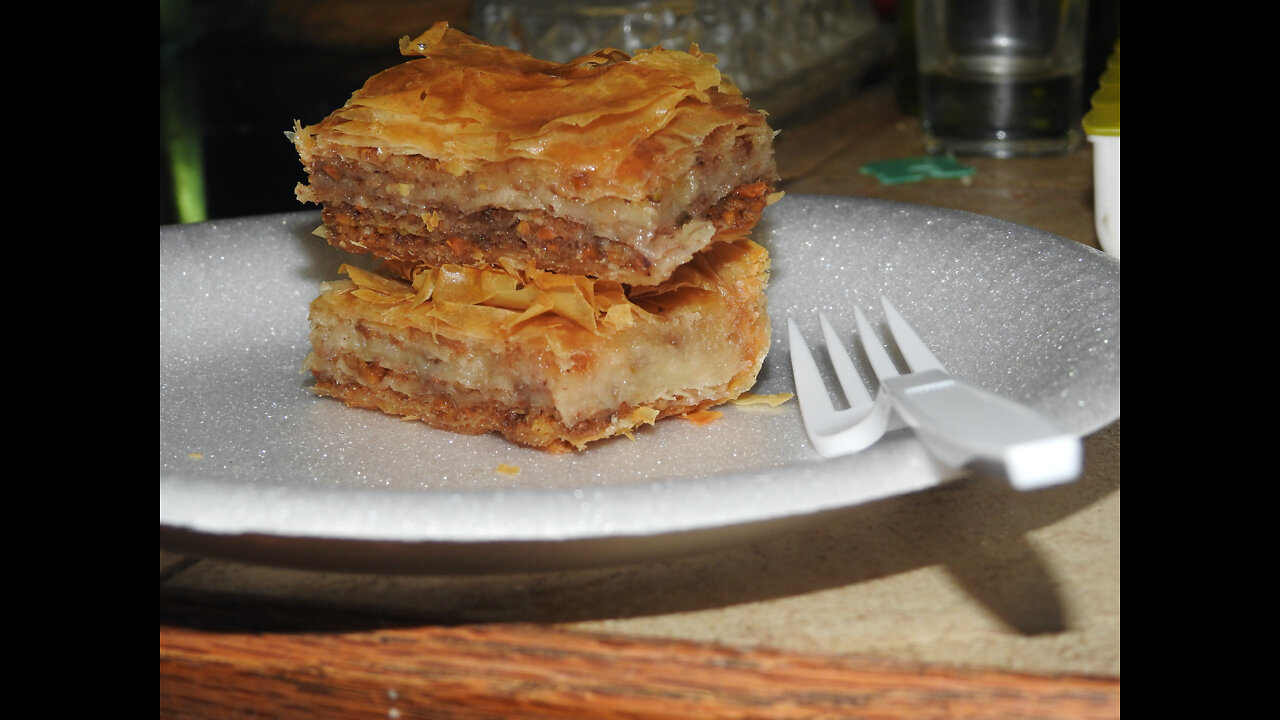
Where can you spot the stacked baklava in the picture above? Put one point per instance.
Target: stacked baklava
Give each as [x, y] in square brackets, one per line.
[566, 246]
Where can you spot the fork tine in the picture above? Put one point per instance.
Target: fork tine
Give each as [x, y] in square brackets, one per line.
[809, 388]
[880, 360]
[855, 393]
[918, 355]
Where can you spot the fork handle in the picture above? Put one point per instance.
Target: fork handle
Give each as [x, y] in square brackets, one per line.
[966, 426]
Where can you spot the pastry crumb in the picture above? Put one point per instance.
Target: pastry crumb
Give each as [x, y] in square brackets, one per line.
[773, 400]
[703, 417]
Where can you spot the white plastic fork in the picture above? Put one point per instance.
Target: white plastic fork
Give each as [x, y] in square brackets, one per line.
[961, 425]
[835, 432]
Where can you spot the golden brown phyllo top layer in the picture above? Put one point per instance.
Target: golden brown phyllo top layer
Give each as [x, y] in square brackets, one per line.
[607, 115]
[501, 301]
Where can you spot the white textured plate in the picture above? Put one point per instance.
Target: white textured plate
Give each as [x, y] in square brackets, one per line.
[254, 467]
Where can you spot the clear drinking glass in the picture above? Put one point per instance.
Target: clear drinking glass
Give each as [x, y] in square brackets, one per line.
[1001, 77]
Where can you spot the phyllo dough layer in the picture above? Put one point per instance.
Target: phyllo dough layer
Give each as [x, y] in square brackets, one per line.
[549, 361]
[615, 166]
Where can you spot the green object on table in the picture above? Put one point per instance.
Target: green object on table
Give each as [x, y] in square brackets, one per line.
[914, 169]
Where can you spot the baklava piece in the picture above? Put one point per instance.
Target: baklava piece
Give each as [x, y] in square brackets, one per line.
[612, 166]
[549, 361]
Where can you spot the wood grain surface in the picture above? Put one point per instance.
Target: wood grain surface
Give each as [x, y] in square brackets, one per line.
[534, 672]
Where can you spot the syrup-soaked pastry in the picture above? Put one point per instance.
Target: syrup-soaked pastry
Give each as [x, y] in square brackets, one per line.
[550, 361]
[612, 166]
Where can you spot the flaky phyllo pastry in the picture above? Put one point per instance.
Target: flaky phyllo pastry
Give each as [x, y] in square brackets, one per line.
[567, 245]
[550, 364]
[608, 166]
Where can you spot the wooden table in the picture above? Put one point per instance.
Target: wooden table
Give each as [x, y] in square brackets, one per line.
[814, 625]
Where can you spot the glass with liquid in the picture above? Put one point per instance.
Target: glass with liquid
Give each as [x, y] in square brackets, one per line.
[1001, 77]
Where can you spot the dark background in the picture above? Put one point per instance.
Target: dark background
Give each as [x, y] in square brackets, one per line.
[236, 74]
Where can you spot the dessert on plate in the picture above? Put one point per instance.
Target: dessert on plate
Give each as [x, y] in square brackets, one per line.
[567, 246]
[549, 361]
[611, 166]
